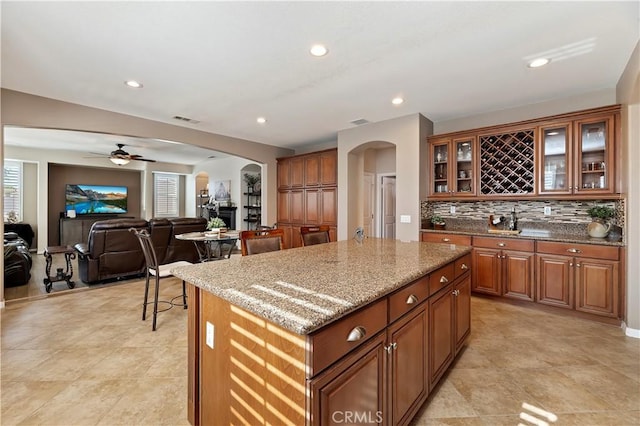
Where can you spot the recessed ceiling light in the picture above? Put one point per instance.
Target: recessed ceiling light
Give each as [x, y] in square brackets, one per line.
[397, 101]
[133, 84]
[318, 50]
[261, 120]
[539, 62]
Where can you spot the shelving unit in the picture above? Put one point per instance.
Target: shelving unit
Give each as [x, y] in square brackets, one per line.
[201, 200]
[253, 209]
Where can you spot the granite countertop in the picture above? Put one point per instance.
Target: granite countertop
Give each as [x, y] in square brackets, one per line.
[536, 235]
[304, 289]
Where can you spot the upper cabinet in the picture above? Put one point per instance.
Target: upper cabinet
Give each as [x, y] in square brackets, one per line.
[453, 167]
[569, 155]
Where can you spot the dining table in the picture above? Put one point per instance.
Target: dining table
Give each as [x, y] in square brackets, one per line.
[212, 245]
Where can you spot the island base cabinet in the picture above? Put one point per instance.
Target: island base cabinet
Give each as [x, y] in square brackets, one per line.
[354, 390]
[441, 334]
[462, 310]
[409, 385]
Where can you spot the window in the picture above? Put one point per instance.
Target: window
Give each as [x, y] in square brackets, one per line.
[165, 194]
[12, 191]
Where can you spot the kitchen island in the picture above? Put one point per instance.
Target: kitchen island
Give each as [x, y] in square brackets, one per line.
[324, 334]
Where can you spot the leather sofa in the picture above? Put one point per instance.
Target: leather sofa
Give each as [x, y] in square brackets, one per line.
[17, 260]
[112, 252]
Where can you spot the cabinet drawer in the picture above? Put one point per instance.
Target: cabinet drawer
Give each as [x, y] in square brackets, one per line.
[408, 298]
[579, 250]
[330, 343]
[504, 243]
[462, 265]
[441, 278]
[432, 237]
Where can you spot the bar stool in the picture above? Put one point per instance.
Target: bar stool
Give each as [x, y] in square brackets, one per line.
[157, 271]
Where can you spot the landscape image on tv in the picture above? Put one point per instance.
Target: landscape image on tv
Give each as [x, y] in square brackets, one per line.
[94, 199]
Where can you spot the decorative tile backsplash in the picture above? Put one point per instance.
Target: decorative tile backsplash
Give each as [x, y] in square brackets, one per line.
[562, 212]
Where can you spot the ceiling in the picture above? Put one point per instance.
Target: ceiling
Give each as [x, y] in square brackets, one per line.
[224, 64]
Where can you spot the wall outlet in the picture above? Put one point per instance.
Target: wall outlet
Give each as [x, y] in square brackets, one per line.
[452, 210]
[405, 218]
[547, 210]
[209, 337]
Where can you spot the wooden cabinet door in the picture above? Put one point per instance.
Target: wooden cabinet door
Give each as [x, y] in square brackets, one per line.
[555, 280]
[597, 287]
[462, 311]
[486, 271]
[594, 155]
[409, 384]
[517, 275]
[283, 206]
[284, 170]
[329, 168]
[296, 238]
[286, 239]
[439, 168]
[329, 206]
[441, 333]
[555, 159]
[312, 170]
[313, 203]
[296, 173]
[357, 384]
[296, 206]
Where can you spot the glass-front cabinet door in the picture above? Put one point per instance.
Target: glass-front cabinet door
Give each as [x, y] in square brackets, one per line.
[554, 171]
[440, 168]
[594, 155]
[463, 174]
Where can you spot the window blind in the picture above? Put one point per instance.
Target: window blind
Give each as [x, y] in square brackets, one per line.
[165, 194]
[12, 189]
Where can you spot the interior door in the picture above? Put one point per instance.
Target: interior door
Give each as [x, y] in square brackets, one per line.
[368, 210]
[389, 207]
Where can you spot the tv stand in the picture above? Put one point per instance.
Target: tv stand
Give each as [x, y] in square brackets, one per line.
[76, 230]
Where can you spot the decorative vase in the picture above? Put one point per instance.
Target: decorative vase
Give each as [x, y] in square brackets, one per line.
[439, 226]
[598, 229]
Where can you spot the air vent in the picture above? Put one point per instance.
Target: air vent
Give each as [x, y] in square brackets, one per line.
[188, 120]
[359, 121]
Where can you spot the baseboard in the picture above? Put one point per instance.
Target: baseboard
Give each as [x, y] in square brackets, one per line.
[631, 332]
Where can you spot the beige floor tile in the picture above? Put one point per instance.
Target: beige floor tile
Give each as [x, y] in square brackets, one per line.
[605, 418]
[618, 390]
[22, 398]
[16, 362]
[67, 364]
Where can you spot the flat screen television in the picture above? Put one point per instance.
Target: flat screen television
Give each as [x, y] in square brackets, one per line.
[96, 199]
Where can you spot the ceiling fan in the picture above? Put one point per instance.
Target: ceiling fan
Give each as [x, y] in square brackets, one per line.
[122, 157]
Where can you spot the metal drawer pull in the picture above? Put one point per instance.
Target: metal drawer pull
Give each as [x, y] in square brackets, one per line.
[501, 244]
[411, 299]
[446, 240]
[464, 266]
[356, 334]
[574, 250]
[444, 279]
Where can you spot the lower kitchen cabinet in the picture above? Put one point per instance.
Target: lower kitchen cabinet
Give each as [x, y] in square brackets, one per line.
[462, 310]
[503, 267]
[408, 345]
[579, 276]
[355, 386]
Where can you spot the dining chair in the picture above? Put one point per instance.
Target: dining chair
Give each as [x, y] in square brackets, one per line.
[153, 268]
[261, 241]
[312, 235]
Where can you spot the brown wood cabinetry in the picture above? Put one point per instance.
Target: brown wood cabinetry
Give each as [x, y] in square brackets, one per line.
[437, 237]
[566, 155]
[504, 267]
[307, 193]
[579, 276]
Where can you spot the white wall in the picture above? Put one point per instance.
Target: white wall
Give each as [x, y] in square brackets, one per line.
[628, 94]
[405, 134]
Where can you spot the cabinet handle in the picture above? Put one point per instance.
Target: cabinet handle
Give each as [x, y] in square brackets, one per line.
[411, 299]
[574, 250]
[464, 267]
[446, 240]
[578, 265]
[571, 264]
[444, 279]
[394, 345]
[388, 349]
[356, 334]
[501, 244]
[456, 292]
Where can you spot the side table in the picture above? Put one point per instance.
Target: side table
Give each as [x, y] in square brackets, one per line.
[61, 273]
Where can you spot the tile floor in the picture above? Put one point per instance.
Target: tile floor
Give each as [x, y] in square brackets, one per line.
[86, 358]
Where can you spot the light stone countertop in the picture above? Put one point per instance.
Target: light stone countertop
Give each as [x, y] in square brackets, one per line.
[306, 288]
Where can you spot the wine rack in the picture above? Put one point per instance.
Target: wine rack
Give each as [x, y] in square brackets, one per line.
[507, 163]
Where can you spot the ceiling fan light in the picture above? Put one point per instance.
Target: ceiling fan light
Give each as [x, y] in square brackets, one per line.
[119, 161]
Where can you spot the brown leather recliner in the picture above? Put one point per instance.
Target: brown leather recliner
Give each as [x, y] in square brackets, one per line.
[112, 251]
[182, 249]
[160, 230]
